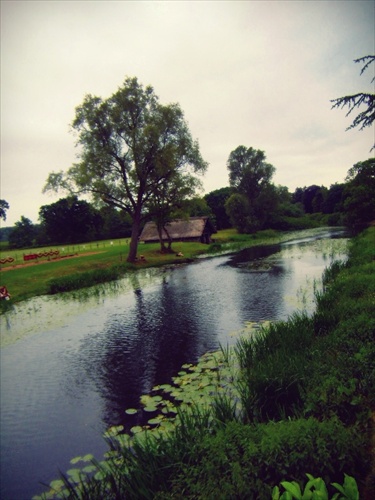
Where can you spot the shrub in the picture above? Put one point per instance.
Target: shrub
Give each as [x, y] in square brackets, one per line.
[82, 280]
[246, 461]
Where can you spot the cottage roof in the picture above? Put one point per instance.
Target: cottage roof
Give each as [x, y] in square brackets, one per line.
[179, 229]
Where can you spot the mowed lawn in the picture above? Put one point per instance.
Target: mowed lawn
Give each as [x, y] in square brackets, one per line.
[25, 279]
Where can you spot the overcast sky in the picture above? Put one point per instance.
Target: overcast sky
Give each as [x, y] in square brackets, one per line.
[252, 73]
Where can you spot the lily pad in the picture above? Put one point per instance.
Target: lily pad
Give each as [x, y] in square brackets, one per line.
[156, 398]
[57, 485]
[89, 468]
[136, 429]
[131, 411]
[166, 387]
[150, 408]
[74, 475]
[155, 421]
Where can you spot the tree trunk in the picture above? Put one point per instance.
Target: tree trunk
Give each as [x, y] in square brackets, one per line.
[160, 234]
[169, 240]
[134, 238]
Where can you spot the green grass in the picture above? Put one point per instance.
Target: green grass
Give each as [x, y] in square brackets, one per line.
[33, 279]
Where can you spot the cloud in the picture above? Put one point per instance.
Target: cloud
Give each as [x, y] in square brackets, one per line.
[257, 73]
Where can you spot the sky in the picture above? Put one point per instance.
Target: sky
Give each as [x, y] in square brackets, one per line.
[254, 73]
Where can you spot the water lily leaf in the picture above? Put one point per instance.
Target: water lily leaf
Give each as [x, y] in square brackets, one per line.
[166, 387]
[154, 421]
[175, 393]
[150, 408]
[136, 429]
[131, 411]
[74, 474]
[181, 397]
[57, 485]
[145, 399]
[166, 425]
[88, 469]
[156, 398]
[113, 431]
[124, 439]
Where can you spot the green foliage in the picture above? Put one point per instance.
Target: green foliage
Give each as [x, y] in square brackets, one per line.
[237, 208]
[275, 369]
[4, 206]
[256, 198]
[316, 489]
[23, 234]
[359, 203]
[216, 201]
[240, 461]
[68, 221]
[214, 247]
[365, 117]
[84, 279]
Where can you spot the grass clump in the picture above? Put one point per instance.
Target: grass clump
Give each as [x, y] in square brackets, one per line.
[85, 279]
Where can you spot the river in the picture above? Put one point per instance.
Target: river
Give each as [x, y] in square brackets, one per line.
[71, 364]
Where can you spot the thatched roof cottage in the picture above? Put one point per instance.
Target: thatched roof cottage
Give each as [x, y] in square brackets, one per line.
[193, 229]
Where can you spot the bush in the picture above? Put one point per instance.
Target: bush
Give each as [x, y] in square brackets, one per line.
[246, 461]
[82, 280]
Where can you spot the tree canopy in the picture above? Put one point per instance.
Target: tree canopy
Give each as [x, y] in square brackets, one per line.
[131, 146]
[23, 234]
[216, 201]
[254, 195]
[4, 206]
[366, 117]
[69, 220]
[248, 171]
[359, 195]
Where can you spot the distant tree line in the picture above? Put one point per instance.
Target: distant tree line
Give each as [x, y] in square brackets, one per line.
[251, 203]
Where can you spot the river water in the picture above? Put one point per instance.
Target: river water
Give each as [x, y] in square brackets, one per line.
[71, 364]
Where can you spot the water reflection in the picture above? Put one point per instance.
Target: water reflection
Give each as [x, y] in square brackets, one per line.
[63, 385]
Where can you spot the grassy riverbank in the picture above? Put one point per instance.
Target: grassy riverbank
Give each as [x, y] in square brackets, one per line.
[88, 264]
[292, 398]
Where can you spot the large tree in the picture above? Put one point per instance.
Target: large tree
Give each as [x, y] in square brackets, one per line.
[130, 145]
[250, 177]
[248, 171]
[69, 220]
[361, 100]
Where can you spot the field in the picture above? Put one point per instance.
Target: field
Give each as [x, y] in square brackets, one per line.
[25, 279]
